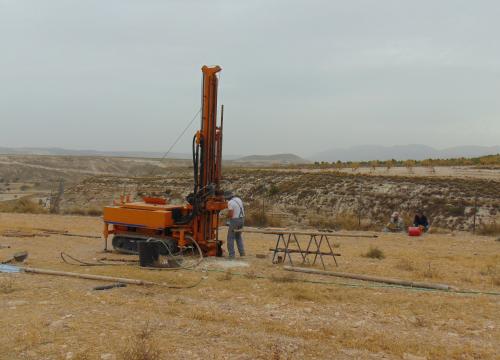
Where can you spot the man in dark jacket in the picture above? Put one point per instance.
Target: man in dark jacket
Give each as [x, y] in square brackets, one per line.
[421, 221]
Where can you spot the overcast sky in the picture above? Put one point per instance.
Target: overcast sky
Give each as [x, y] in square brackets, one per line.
[298, 76]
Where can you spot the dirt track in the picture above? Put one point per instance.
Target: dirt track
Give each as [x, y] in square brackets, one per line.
[239, 315]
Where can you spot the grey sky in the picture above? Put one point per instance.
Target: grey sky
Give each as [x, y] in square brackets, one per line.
[299, 76]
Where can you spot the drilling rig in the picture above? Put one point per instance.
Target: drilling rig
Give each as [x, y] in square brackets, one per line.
[178, 226]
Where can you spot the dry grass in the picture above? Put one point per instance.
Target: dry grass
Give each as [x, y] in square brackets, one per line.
[278, 353]
[226, 276]
[322, 222]
[438, 230]
[341, 222]
[142, 345]
[251, 274]
[374, 253]
[23, 205]
[281, 317]
[406, 265]
[491, 229]
[93, 211]
[302, 292]
[7, 285]
[257, 218]
[431, 272]
[286, 278]
[493, 273]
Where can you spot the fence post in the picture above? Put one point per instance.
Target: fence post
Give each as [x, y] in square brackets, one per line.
[475, 212]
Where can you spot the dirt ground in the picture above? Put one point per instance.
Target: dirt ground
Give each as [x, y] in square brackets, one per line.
[250, 309]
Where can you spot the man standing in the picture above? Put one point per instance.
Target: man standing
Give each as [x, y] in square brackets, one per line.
[236, 219]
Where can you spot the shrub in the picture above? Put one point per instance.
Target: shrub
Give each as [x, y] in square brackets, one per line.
[322, 222]
[258, 218]
[75, 211]
[343, 221]
[455, 210]
[142, 346]
[273, 190]
[23, 205]
[430, 272]
[226, 276]
[490, 229]
[405, 264]
[374, 253]
[94, 211]
[286, 278]
[6, 285]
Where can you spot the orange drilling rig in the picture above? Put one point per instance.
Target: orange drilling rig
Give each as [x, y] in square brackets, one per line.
[177, 226]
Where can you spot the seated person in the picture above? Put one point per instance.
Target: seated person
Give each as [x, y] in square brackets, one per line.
[421, 221]
[396, 224]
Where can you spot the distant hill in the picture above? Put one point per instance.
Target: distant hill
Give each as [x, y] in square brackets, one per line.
[69, 152]
[402, 152]
[273, 159]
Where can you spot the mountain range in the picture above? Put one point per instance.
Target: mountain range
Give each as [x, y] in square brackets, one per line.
[402, 152]
[273, 159]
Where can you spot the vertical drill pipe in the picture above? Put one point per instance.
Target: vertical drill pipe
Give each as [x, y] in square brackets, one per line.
[218, 176]
[208, 171]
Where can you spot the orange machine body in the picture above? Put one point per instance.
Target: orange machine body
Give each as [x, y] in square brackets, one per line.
[130, 222]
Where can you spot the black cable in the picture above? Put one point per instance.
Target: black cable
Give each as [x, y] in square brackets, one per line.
[200, 260]
[79, 262]
[152, 172]
[180, 136]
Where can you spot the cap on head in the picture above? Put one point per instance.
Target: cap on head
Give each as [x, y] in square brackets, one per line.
[395, 214]
[228, 195]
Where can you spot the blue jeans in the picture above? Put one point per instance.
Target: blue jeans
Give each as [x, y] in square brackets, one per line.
[235, 224]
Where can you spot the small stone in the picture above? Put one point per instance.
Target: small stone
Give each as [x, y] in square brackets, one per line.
[408, 356]
[69, 355]
[14, 303]
[108, 356]
[358, 324]
[56, 325]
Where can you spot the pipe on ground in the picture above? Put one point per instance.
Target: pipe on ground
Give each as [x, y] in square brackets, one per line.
[408, 283]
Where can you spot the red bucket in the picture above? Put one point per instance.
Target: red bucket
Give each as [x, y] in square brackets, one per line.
[414, 231]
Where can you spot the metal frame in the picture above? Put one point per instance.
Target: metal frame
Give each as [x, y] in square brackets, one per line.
[292, 239]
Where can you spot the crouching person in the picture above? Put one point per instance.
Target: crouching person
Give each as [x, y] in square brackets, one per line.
[236, 220]
[421, 221]
[396, 224]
